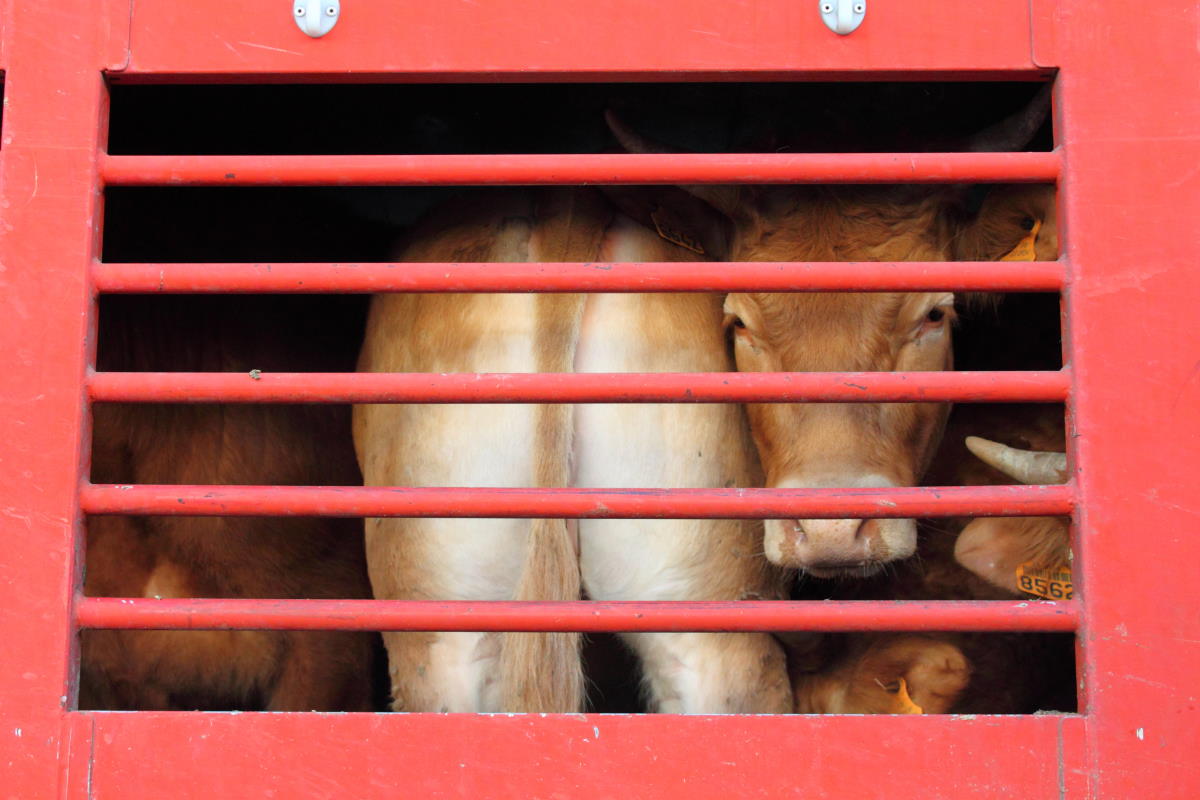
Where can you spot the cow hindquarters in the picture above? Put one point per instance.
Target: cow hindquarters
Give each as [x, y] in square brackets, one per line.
[468, 559]
[453, 559]
[712, 673]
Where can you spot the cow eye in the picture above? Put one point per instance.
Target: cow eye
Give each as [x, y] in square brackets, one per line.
[738, 323]
[1028, 223]
[935, 319]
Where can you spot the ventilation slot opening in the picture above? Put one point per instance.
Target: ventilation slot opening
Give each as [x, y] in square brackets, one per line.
[236, 296]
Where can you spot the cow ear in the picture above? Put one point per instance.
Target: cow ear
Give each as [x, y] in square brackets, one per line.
[677, 217]
[1016, 131]
[1013, 222]
[733, 202]
[992, 549]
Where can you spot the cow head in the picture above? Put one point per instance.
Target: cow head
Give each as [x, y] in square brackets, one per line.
[861, 444]
[894, 673]
[993, 548]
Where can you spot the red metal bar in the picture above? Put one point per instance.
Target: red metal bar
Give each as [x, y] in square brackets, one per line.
[190, 756]
[746, 615]
[703, 276]
[374, 501]
[604, 168]
[681, 387]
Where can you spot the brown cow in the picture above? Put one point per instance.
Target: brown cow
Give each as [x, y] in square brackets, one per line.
[883, 444]
[879, 673]
[170, 557]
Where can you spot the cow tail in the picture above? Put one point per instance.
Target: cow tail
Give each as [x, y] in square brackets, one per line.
[543, 672]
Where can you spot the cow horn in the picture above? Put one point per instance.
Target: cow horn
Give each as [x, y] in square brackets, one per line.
[726, 199]
[1026, 466]
[1014, 132]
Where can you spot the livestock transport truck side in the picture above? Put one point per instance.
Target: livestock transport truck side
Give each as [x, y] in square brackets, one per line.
[1124, 156]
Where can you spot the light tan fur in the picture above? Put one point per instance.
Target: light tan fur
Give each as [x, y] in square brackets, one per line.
[674, 445]
[550, 570]
[399, 445]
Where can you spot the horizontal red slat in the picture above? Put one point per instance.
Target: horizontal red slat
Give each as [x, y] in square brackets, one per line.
[676, 387]
[360, 501]
[188, 755]
[488, 40]
[746, 615]
[704, 276]
[604, 168]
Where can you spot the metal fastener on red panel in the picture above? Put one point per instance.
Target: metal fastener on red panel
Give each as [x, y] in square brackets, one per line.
[843, 16]
[316, 17]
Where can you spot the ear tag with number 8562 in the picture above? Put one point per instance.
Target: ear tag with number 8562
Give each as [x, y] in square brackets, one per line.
[1050, 583]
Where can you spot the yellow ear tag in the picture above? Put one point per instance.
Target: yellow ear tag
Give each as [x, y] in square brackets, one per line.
[1026, 249]
[1050, 583]
[904, 703]
[672, 232]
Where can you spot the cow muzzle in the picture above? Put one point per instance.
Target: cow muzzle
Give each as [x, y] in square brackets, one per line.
[830, 548]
